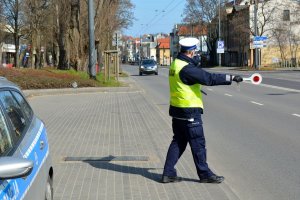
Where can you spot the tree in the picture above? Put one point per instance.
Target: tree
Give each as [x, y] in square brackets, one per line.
[72, 28]
[286, 30]
[238, 38]
[206, 13]
[63, 12]
[1, 30]
[37, 28]
[265, 17]
[14, 18]
[111, 15]
[1, 21]
[62, 27]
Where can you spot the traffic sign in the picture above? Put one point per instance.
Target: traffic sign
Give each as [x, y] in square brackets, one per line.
[220, 48]
[260, 41]
[220, 44]
[260, 38]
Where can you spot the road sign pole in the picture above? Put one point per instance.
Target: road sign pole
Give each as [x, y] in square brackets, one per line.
[255, 31]
[220, 58]
[92, 51]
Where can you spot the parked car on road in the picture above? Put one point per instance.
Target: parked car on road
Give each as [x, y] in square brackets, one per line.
[148, 66]
[26, 171]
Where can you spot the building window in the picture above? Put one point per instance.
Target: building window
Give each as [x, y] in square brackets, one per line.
[286, 15]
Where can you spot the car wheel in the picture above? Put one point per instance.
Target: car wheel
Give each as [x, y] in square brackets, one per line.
[49, 189]
[141, 73]
[156, 73]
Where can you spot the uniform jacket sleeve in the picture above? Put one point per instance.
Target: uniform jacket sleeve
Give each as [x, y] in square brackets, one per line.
[191, 74]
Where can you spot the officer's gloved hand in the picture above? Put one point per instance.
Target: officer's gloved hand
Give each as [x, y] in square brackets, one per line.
[237, 78]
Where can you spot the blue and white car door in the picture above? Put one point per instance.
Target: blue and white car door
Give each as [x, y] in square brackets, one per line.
[29, 139]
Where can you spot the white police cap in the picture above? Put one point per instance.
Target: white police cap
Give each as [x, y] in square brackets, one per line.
[189, 43]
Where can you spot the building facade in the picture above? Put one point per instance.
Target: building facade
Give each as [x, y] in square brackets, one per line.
[7, 47]
[163, 51]
[278, 21]
[181, 31]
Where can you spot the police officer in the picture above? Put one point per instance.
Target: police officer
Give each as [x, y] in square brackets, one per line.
[186, 107]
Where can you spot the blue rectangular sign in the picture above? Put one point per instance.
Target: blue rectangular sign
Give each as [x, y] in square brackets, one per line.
[260, 38]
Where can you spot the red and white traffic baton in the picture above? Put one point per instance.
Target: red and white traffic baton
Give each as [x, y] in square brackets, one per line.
[255, 79]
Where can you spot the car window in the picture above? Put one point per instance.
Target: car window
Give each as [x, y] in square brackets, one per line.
[148, 62]
[14, 112]
[24, 105]
[5, 141]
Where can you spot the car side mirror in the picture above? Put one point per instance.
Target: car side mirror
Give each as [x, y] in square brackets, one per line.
[11, 167]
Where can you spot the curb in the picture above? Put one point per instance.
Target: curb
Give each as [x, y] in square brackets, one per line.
[132, 87]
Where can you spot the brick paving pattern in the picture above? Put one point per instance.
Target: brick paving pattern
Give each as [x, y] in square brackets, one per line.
[110, 124]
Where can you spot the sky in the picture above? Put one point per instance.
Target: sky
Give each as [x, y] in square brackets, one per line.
[155, 16]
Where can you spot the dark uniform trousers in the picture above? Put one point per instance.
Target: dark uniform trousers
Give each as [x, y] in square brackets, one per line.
[192, 133]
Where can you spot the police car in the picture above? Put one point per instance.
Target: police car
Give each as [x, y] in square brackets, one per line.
[26, 171]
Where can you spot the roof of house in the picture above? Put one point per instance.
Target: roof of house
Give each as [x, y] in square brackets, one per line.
[125, 38]
[136, 40]
[187, 29]
[164, 43]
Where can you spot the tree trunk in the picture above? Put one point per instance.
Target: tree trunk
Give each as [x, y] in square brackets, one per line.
[74, 36]
[62, 62]
[17, 49]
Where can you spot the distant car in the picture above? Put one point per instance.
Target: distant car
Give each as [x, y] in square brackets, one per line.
[148, 66]
[26, 171]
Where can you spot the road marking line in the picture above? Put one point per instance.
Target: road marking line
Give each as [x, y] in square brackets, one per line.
[228, 95]
[209, 89]
[260, 104]
[297, 115]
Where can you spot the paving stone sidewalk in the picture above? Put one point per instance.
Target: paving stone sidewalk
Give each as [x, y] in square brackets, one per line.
[111, 144]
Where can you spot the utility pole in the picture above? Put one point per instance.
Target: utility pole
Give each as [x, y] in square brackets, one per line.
[117, 41]
[140, 48]
[220, 58]
[92, 50]
[256, 65]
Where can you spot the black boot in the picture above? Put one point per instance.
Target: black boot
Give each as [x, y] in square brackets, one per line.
[170, 179]
[212, 179]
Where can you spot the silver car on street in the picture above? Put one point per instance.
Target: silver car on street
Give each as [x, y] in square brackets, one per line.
[148, 66]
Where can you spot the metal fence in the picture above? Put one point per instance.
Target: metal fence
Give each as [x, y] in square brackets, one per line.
[288, 63]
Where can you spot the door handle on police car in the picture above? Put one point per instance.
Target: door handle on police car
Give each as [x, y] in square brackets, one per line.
[42, 144]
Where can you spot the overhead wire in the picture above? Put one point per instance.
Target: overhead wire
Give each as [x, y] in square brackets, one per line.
[163, 14]
[157, 14]
[166, 14]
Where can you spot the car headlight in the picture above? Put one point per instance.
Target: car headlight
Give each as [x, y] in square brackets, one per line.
[142, 66]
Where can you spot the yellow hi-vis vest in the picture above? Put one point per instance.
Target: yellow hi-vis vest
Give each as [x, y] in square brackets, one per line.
[182, 95]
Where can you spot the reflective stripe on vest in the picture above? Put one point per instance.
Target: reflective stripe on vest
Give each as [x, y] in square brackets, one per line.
[182, 95]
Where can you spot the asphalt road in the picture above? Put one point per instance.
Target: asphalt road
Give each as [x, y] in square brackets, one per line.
[252, 132]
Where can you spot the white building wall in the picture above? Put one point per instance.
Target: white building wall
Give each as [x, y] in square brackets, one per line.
[288, 30]
[273, 11]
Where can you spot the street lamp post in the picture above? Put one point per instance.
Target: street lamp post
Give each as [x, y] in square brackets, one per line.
[92, 51]
[256, 65]
[220, 58]
[141, 48]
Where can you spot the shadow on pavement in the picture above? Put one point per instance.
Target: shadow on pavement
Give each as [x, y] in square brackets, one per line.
[279, 94]
[126, 169]
[145, 172]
